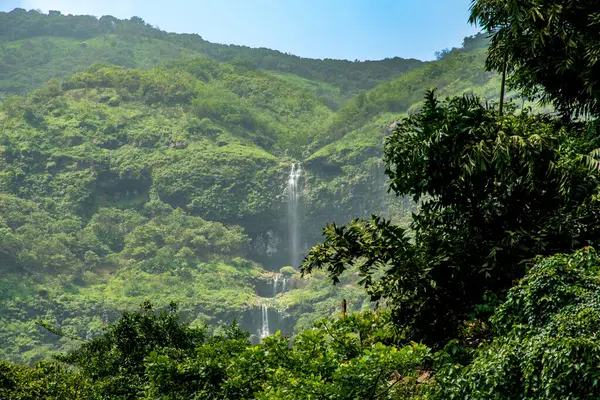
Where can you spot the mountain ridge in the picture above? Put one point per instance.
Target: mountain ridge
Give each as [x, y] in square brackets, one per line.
[24, 26]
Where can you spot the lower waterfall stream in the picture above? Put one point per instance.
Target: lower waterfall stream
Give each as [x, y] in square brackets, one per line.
[264, 330]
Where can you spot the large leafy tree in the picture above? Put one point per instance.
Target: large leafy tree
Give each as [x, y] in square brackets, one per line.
[114, 362]
[547, 338]
[495, 192]
[551, 48]
[340, 359]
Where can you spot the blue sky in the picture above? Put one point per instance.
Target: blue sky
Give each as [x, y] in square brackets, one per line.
[348, 29]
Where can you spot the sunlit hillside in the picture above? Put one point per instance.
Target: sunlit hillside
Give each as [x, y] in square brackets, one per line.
[138, 164]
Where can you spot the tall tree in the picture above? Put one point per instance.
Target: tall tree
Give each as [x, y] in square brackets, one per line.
[551, 48]
[496, 191]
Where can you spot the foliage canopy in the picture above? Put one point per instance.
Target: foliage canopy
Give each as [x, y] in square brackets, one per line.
[551, 48]
[547, 343]
[495, 191]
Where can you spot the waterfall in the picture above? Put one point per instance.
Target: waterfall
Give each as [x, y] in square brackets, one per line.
[264, 330]
[275, 282]
[293, 194]
[278, 285]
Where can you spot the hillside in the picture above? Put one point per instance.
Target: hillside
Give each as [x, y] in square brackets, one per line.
[154, 165]
[36, 47]
[185, 220]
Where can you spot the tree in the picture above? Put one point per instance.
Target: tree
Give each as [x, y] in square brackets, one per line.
[547, 338]
[114, 362]
[337, 359]
[496, 192]
[48, 380]
[551, 48]
[439, 55]
[149, 355]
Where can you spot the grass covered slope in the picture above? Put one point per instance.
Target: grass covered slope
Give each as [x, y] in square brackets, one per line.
[461, 71]
[128, 131]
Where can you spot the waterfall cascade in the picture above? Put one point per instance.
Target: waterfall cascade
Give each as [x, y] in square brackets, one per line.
[293, 198]
[279, 285]
[264, 329]
[275, 282]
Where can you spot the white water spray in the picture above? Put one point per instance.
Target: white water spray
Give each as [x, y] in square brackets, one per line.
[275, 284]
[278, 285]
[293, 194]
[264, 330]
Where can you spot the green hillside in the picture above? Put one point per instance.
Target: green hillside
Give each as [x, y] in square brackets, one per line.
[118, 171]
[157, 165]
[186, 220]
[36, 47]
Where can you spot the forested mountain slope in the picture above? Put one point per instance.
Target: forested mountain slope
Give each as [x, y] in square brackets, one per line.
[360, 126]
[203, 183]
[35, 47]
[162, 166]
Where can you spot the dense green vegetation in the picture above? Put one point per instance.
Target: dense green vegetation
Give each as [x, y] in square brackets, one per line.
[499, 191]
[155, 165]
[153, 355]
[546, 343]
[170, 179]
[539, 349]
